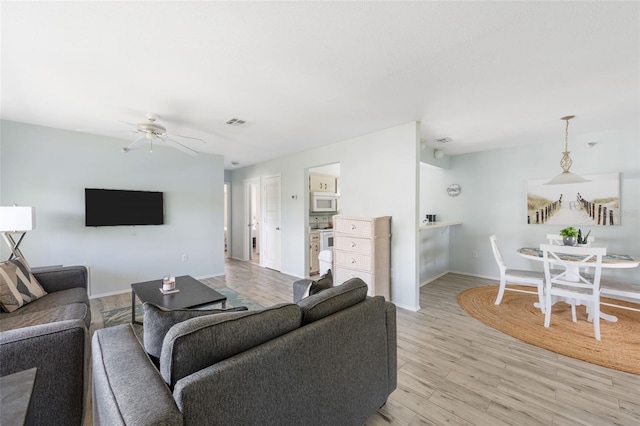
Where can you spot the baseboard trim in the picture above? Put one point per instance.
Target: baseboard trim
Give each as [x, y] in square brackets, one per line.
[110, 293]
[476, 275]
[432, 279]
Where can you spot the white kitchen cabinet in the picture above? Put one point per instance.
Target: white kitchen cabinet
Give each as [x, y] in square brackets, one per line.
[362, 249]
[322, 183]
[314, 251]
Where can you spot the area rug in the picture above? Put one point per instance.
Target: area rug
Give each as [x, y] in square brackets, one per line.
[516, 316]
[123, 315]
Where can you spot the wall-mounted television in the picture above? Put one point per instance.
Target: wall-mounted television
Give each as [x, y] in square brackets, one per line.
[114, 207]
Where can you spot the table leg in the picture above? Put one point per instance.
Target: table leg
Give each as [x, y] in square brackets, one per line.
[133, 308]
[224, 304]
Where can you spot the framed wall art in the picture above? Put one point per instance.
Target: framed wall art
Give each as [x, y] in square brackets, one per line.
[592, 203]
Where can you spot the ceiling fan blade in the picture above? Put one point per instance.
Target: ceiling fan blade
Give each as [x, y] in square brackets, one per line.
[190, 137]
[177, 145]
[135, 144]
[100, 132]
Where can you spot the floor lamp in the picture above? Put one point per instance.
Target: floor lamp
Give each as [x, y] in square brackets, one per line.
[16, 220]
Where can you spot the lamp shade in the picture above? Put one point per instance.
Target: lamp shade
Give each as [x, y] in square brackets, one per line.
[17, 219]
[566, 178]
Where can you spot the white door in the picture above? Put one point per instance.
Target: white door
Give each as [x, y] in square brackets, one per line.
[270, 256]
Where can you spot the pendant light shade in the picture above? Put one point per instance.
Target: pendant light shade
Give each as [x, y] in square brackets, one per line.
[566, 177]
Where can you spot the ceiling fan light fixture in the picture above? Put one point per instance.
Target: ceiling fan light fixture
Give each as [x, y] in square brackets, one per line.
[566, 177]
[150, 130]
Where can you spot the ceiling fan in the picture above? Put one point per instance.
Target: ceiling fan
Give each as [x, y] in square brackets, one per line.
[151, 132]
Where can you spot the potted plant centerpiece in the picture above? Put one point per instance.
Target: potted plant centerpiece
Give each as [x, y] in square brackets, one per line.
[569, 236]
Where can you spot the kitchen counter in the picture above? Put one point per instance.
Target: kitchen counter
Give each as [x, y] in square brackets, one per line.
[437, 225]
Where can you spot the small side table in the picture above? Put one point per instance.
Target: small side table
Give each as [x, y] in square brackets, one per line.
[15, 392]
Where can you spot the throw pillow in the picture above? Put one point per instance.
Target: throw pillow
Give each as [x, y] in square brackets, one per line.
[18, 286]
[323, 283]
[158, 321]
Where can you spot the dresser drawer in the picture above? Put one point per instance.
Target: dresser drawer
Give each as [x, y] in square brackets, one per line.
[352, 260]
[352, 244]
[360, 228]
[343, 274]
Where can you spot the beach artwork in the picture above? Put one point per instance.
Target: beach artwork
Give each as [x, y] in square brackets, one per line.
[594, 203]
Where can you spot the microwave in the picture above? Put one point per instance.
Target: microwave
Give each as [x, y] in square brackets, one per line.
[323, 202]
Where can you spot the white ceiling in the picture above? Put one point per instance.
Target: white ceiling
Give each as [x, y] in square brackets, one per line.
[306, 74]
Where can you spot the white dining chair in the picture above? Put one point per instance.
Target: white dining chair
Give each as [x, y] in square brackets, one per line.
[557, 240]
[516, 277]
[571, 283]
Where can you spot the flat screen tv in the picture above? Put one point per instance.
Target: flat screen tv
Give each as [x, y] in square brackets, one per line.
[113, 207]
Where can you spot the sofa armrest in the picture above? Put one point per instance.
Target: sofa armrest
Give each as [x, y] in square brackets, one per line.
[301, 289]
[62, 278]
[392, 345]
[127, 387]
[59, 351]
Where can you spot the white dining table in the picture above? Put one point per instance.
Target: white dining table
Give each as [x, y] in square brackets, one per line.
[610, 260]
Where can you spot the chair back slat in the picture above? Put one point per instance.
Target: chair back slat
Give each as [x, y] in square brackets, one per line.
[497, 254]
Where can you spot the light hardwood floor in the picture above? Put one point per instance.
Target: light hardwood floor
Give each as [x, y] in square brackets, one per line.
[453, 369]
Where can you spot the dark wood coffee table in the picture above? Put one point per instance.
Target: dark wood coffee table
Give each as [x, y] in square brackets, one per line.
[192, 294]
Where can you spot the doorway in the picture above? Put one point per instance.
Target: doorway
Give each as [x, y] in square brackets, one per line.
[252, 238]
[227, 218]
[322, 180]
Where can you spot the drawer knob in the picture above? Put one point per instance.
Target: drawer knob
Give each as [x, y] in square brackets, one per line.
[353, 227]
[353, 260]
[353, 244]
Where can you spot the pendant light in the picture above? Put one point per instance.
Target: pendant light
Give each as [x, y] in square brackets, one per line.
[566, 176]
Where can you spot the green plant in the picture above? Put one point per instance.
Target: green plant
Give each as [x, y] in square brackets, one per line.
[582, 240]
[569, 232]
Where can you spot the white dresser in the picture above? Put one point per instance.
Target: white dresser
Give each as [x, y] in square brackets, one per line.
[362, 249]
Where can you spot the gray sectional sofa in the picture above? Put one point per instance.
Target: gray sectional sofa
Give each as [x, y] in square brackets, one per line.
[330, 359]
[51, 334]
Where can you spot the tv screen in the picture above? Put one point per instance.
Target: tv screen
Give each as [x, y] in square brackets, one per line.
[113, 207]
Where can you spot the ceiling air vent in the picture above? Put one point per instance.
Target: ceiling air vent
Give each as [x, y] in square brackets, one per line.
[235, 122]
[444, 140]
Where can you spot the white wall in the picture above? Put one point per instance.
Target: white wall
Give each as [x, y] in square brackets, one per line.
[379, 177]
[49, 168]
[493, 199]
[433, 257]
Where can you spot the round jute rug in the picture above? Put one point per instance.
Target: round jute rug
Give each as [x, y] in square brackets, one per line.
[516, 316]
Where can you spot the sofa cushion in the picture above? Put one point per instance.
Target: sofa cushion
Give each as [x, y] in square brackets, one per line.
[332, 300]
[18, 286]
[52, 301]
[194, 344]
[158, 320]
[72, 311]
